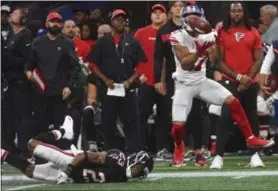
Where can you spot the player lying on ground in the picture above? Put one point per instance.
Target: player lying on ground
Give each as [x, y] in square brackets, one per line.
[82, 167]
[192, 47]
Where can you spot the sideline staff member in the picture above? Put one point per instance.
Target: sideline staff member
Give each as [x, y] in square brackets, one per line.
[17, 49]
[116, 57]
[53, 55]
[240, 50]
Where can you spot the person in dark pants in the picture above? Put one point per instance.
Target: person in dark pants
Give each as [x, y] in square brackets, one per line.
[91, 114]
[76, 100]
[241, 54]
[164, 84]
[116, 57]
[17, 98]
[147, 94]
[54, 60]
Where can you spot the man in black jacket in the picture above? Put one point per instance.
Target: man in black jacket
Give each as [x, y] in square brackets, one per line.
[15, 53]
[53, 57]
[117, 55]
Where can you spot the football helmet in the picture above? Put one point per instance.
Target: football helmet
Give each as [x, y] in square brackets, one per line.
[139, 165]
[191, 10]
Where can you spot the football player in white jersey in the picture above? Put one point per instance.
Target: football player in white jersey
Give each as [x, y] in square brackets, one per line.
[192, 48]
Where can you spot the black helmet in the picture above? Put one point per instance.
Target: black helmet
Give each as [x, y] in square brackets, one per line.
[139, 165]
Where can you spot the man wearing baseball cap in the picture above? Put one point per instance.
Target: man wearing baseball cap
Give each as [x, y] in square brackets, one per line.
[14, 54]
[116, 56]
[148, 95]
[53, 66]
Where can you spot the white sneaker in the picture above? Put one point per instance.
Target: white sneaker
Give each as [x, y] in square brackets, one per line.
[256, 161]
[68, 127]
[217, 163]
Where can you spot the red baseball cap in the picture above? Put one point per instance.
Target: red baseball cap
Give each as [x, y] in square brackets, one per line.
[159, 6]
[118, 12]
[54, 15]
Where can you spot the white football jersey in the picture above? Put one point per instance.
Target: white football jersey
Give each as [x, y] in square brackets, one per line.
[182, 38]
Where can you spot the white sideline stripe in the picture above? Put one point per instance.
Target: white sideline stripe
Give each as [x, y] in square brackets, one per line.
[213, 174]
[25, 187]
[239, 177]
[156, 175]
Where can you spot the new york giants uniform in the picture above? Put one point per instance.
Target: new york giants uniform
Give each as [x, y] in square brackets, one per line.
[190, 84]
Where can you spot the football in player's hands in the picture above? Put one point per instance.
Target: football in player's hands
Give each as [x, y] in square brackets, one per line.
[271, 83]
[199, 24]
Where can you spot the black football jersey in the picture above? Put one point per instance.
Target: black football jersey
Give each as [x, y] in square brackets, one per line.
[113, 170]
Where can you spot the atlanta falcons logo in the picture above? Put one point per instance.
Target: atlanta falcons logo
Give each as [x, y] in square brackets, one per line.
[239, 36]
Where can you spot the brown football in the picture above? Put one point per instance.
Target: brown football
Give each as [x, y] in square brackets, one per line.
[199, 24]
[271, 82]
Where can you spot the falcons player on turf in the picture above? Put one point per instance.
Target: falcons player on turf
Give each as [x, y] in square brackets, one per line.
[78, 166]
[192, 47]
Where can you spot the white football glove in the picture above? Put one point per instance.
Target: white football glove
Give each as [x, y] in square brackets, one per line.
[74, 150]
[62, 178]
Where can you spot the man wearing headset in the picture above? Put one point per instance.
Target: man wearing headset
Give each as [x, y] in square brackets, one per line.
[116, 57]
[17, 49]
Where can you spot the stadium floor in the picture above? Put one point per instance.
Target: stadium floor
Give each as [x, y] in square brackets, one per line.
[234, 176]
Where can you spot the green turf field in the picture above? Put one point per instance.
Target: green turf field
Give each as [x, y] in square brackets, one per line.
[234, 176]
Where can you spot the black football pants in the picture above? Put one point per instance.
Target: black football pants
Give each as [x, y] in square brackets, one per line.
[126, 108]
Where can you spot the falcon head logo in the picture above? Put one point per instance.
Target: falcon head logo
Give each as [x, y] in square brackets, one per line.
[239, 36]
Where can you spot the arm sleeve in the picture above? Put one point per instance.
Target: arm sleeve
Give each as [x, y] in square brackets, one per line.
[258, 41]
[25, 46]
[268, 61]
[140, 68]
[159, 53]
[91, 65]
[91, 79]
[140, 54]
[174, 39]
[74, 65]
[140, 65]
[31, 62]
[95, 54]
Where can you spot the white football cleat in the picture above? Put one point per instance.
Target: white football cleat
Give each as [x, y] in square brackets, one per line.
[217, 163]
[68, 127]
[256, 161]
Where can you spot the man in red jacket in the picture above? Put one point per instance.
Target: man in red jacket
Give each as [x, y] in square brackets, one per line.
[148, 95]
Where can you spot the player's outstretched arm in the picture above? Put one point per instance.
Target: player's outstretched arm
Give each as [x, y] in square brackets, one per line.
[96, 158]
[92, 157]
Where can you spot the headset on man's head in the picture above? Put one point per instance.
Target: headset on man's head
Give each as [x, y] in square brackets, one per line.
[128, 13]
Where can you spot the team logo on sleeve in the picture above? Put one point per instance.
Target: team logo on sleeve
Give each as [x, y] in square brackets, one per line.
[239, 36]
